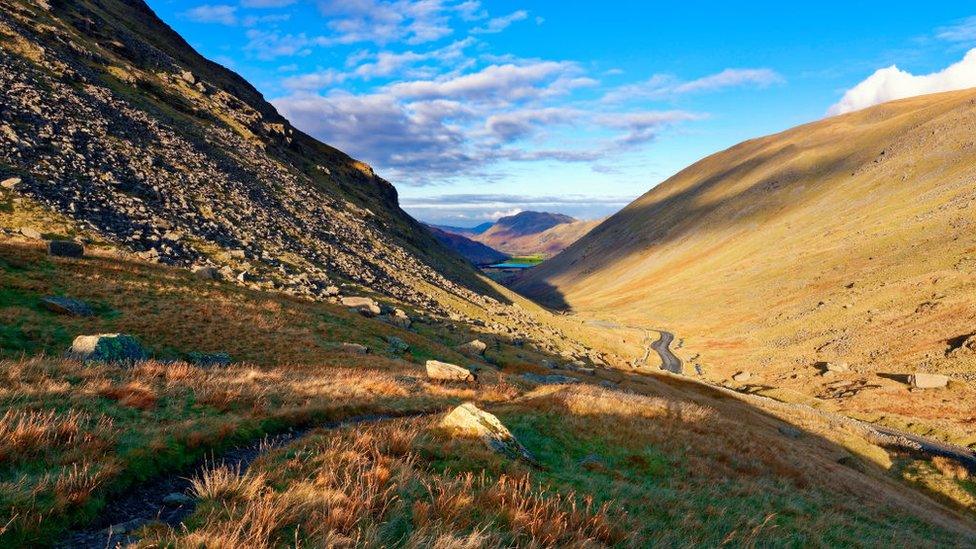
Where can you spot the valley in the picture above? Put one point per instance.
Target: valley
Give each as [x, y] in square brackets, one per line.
[217, 330]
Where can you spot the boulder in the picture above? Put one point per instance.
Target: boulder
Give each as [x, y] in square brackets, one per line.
[354, 348]
[920, 380]
[469, 421]
[177, 499]
[443, 371]
[10, 182]
[108, 348]
[66, 306]
[400, 319]
[364, 305]
[207, 273]
[30, 233]
[65, 248]
[397, 345]
[836, 367]
[551, 379]
[475, 347]
[742, 377]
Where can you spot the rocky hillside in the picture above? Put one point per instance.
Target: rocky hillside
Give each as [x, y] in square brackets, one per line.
[846, 243]
[113, 122]
[475, 252]
[465, 231]
[534, 233]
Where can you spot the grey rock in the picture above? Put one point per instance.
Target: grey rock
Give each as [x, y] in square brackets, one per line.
[177, 499]
[445, 371]
[475, 347]
[789, 431]
[66, 306]
[470, 421]
[354, 348]
[397, 345]
[207, 273]
[742, 377]
[65, 248]
[208, 360]
[108, 348]
[921, 380]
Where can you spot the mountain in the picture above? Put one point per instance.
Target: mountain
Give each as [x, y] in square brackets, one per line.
[465, 231]
[113, 121]
[847, 240]
[534, 233]
[475, 252]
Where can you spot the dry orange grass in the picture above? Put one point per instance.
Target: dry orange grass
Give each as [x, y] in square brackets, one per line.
[346, 488]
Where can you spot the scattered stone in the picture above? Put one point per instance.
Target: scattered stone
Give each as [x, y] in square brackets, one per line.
[444, 371]
[208, 360]
[551, 379]
[920, 380]
[30, 233]
[10, 182]
[742, 377]
[331, 291]
[207, 273]
[397, 345]
[607, 384]
[354, 348]
[549, 364]
[468, 420]
[364, 305]
[108, 348]
[65, 248]
[400, 319]
[66, 306]
[128, 526]
[790, 431]
[177, 499]
[475, 347]
[836, 367]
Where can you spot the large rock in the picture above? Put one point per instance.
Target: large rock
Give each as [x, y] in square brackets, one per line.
[475, 347]
[65, 248]
[108, 348]
[920, 380]
[400, 319]
[742, 377]
[66, 306]
[208, 360]
[836, 367]
[30, 233]
[354, 348]
[10, 182]
[443, 371]
[207, 273]
[470, 421]
[366, 306]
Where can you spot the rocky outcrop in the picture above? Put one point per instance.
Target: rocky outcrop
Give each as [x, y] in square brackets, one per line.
[921, 380]
[66, 306]
[475, 347]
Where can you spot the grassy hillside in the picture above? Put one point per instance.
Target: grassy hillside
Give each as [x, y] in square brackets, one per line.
[845, 240]
[77, 436]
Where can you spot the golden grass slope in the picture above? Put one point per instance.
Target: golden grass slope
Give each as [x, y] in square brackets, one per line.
[849, 240]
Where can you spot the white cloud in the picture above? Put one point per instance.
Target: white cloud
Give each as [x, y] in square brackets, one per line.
[498, 24]
[892, 83]
[963, 31]
[663, 86]
[267, 3]
[495, 83]
[383, 21]
[271, 44]
[207, 13]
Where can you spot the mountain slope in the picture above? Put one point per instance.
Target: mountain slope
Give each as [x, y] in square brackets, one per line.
[113, 121]
[475, 252]
[845, 240]
[534, 233]
[465, 231]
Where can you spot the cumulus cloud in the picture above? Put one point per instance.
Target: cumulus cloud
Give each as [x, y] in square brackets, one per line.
[469, 209]
[383, 22]
[892, 83]
[662, 86]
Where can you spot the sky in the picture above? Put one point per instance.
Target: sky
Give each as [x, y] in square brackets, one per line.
[475, 109]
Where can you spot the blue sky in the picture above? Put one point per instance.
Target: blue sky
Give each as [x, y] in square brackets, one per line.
[476, 109]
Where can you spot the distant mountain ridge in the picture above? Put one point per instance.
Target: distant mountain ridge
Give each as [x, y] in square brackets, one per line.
[534, 233]
[475, 252]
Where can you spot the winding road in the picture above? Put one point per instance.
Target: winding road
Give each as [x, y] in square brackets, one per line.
[669, 361]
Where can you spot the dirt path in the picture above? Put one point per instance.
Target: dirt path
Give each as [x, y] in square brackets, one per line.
[154, 500]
